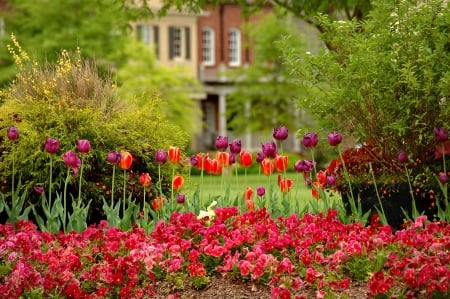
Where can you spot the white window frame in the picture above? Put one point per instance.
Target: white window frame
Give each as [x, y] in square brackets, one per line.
[179, 41]
[148, 34]
[208, 46]
[234, 47]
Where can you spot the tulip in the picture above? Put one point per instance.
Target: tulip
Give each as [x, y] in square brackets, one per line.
[221, 143]
[402, 157]
[201, 157]
[113, 157]
[331, 180]
[334, 138]
[52, 145]
[321, 177]
[280, 133]
[177, 182]
[174, 154]
[248, 193]
[223, 158]
[440, 134]
[281, 163]
[250, 205]
[83, 146]
[145, 180]
[303, 166]
[267, 166]
[260, 191]
[13, 133]
[181, 198]
[160, 156]
[235, 147]
[232, 158]
[72, 161]
[443, 177]
[193, 160]
[259, 157]
[39, 190]
[310, 139]
[285, 184]
[158, 203]
[269, 149]
[126, 159]
[245, 159]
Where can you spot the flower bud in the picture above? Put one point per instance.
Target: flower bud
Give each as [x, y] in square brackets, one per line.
[13, 133]
[280, 133]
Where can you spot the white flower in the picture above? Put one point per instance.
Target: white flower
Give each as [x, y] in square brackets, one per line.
[209, 211]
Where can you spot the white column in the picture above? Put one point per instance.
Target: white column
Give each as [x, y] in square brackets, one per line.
[222, 115]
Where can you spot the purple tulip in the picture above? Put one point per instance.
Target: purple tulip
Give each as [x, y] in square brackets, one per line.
[39, 190]
[193, 160]
[221, 143]
[443, 177]
[72, 161]
[83, 146]
[161, 156]
[280, 133]
[181, 198]
[260, 191]
[440, 134]
[260, 157]
[13, 133]
[269, 149]
[304, 166]
[113, 157]
[52, 145]
[334, 138]
[310, 139]
[232, 159]
[331, 180]
[235, 147]
[402, 157]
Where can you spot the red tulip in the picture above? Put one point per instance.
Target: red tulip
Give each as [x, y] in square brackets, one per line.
[281, 163]
[223, 158]
[250, 205]
[126, 159]
[157, 203]
[248, 193]
[177, 182]
[285, 184]
[246, 159]
[145, 179]
[267, 166]
[174, 154]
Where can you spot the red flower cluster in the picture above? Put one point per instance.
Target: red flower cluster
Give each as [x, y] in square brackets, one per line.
[291, 253]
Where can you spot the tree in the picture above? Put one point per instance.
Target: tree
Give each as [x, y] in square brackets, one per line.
[264, 90]
[141, 77]
[43, 28]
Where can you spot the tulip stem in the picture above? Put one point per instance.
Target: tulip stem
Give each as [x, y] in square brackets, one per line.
[112, 185]
[171, 191]
[124, 191]
[80, 180]
[50, 183]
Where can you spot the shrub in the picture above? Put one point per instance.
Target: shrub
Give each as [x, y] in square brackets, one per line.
[71, 101]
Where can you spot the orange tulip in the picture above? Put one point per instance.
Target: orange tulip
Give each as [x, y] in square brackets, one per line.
[285, 184]
[223, 158]
[174, 154]
[201, 160]
[145, 179]
[267, 166]
[250, 205]
[281, 163]
[177, 182]
[157, 203]
[212, 166]
[248, 193]
[314, 189]
[126, 159]
[246, 159]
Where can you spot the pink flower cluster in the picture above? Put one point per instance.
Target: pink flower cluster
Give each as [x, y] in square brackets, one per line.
[290, 254]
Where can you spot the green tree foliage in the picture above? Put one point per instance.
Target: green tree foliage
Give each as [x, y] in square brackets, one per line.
[388, 81]
[43, 28]
[68, 100]
[264, 90]
[140, 75]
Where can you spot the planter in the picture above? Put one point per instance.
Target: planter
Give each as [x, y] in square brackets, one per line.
[395, 199]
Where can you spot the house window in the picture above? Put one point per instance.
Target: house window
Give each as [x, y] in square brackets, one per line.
[179, 43]
[234, 47]
[2, 27]
[149, 35]
[208, 46]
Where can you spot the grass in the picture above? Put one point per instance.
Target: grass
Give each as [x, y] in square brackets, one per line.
[212, 186]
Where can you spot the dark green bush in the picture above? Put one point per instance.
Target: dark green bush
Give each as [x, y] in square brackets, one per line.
[70, 101]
